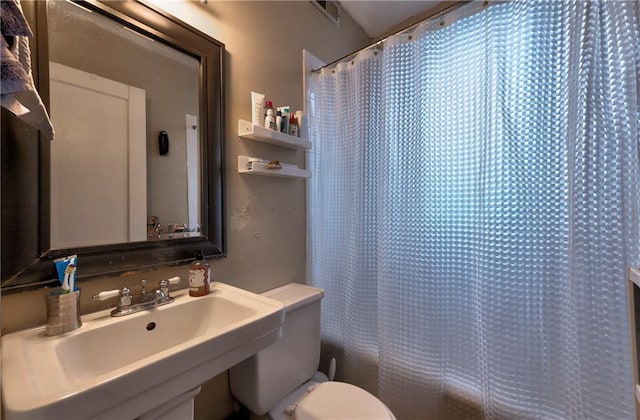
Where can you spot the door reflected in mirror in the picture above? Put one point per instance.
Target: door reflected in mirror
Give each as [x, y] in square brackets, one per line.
[112, 93]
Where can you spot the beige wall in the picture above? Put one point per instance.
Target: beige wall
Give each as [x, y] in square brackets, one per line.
[266, 217]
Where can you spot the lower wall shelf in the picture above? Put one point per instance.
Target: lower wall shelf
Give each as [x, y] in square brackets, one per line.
[257, 166]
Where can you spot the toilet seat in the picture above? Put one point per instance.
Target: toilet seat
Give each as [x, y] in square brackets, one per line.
[339, 400]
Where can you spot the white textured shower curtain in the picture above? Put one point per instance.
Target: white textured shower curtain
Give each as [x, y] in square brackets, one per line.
[473, 207]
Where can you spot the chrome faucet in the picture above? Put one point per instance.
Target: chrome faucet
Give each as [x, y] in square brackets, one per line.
[147, 300]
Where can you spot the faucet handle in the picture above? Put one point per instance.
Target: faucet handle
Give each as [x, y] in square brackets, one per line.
[164, 285]
[107, 294]
[124, 293]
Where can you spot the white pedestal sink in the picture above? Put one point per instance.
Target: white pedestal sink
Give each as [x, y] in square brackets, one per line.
[148, 364]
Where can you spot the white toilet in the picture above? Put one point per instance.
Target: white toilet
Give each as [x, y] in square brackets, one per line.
[282, 380]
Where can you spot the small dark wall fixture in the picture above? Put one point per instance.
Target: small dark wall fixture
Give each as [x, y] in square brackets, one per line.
[163, 143]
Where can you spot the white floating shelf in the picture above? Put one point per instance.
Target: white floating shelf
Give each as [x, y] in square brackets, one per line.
[247, 130]
[256, 166]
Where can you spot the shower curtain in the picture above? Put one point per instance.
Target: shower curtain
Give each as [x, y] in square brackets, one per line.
[474, 204]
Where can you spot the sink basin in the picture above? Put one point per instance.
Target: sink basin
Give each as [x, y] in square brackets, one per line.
[125, 367]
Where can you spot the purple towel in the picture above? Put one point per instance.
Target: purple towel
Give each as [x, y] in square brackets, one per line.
[13, 76]
[12, 24]
[17, 92]
[12, 21]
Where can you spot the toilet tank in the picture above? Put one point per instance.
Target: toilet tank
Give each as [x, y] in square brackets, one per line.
[262, 380]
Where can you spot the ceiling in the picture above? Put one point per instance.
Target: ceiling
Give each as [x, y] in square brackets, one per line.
[380, 17]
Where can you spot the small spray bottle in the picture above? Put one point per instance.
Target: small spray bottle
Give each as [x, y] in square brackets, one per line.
[269, 120]
[293, 126]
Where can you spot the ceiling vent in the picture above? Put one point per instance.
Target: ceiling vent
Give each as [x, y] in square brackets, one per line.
[331, 9]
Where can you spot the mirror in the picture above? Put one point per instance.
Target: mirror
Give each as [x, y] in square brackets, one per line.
[133, 179]
[115, 97]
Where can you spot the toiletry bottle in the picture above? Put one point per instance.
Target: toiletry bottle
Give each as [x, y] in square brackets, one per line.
[279, 121]
[199, 276]
[293, 126]
[269, 120]
[299, 115]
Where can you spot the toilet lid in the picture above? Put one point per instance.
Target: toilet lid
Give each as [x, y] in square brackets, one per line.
[339, 400]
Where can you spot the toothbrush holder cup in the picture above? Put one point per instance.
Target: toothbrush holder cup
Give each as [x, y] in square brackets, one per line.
[63, 312]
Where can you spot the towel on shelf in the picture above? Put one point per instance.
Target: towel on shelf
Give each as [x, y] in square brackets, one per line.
[17, 91]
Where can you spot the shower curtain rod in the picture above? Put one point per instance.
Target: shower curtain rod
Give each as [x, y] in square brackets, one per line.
[406, 28]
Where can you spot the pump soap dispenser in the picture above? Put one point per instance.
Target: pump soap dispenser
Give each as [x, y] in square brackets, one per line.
[199, 276]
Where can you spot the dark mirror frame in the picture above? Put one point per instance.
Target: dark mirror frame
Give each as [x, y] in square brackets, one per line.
[27, 260]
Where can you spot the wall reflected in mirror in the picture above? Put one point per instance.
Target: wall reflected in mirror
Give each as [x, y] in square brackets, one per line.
[113, 91]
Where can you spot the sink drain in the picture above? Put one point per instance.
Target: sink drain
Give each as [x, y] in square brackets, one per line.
[151, 326]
